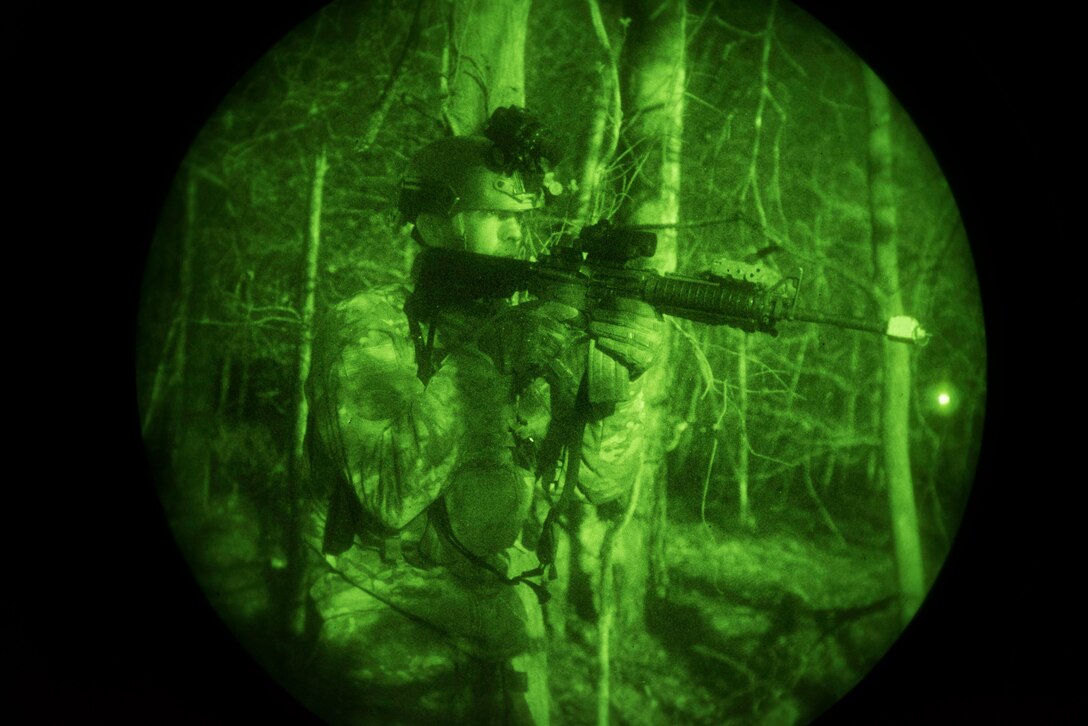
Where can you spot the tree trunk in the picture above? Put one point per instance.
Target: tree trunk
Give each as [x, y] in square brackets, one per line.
[226, 370]
[653, 99]
[193, 375]
[653, 96]
[896, 395]
[585, 535]
[653, 64]
[744, 510]
[486, 52]
[609, 605]
[294, 615]
[155, 397]
[178, 376]
[605, 123]
[658, 537]
[245, 355]
[224, 384]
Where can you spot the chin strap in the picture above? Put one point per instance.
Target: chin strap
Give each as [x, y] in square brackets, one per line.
[417, 312]
[564, 437]
[458, 221]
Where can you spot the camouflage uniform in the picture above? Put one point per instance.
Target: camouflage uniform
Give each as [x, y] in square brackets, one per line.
[411, 629]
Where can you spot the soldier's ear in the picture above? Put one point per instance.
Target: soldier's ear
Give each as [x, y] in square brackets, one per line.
[437, 230]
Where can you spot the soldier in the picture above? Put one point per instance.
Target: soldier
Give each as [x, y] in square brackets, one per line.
[429, 435]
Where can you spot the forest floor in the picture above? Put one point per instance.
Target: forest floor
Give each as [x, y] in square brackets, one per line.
[763, 628]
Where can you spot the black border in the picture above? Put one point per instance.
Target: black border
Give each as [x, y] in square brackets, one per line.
[985, 85]
[114, 625]
[118, 98]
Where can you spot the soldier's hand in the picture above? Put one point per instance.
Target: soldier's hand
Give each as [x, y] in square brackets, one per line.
[533, 339]
[630, 331]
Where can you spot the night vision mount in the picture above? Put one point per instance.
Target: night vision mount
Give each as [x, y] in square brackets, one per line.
[522, 143]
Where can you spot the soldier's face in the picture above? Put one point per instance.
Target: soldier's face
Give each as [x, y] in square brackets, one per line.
[493, 232]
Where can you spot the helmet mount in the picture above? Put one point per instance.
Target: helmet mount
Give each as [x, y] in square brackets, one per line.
[501, 171]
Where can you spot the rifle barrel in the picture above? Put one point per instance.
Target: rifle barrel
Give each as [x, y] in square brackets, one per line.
[839, 321]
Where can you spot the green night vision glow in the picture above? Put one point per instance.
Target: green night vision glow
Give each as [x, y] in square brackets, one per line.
[378, 542]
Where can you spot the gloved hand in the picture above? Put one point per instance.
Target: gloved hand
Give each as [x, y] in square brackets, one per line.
[534, 339]
[630, 331]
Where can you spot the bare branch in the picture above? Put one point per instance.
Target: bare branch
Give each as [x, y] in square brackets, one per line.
[275, 308]
[160, 368]
[706, 482]
[241, 149]
[385, 99]
[611, 55]
[824, 514]
[700, 23]
[734, 29]
[789, 58]
[243, 323]
[765, 457]
[705, 369]
[706, 104]
[752, 179]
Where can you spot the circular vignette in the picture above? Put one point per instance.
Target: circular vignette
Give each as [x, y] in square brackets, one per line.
[206, 491]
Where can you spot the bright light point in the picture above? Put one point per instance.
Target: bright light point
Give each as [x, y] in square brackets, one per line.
[943, 399]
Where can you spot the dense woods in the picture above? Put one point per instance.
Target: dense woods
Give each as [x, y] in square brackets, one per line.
[803, 489]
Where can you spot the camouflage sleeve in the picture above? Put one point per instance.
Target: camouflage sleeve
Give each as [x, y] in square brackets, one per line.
[611, 450]
[395, 440]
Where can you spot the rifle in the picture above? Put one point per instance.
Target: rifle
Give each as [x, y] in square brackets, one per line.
[608, 261]
[604, 262]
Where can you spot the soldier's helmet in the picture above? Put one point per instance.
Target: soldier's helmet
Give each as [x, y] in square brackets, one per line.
[504, 170]
[460, 174]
